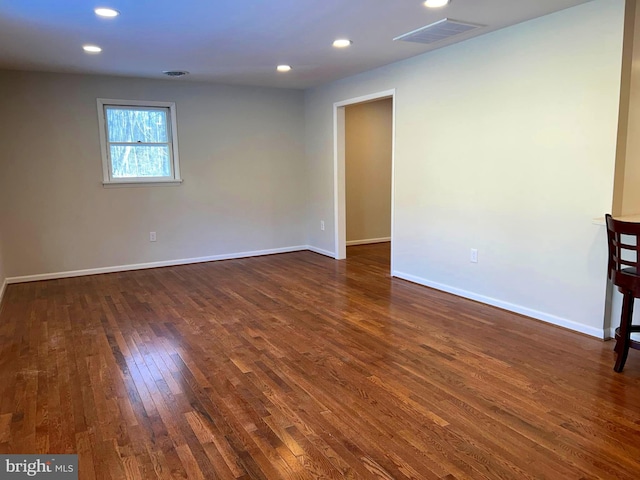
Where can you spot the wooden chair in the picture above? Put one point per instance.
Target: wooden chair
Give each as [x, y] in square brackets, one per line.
[624, 271]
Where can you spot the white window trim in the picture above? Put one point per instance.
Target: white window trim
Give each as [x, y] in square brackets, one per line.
[108, 180]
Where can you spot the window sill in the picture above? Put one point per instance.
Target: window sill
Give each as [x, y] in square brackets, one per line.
[142, 183]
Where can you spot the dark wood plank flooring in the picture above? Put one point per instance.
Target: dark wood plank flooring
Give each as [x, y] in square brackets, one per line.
[296, 366]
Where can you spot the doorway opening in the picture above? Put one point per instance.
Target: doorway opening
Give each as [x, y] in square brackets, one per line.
[361, 185]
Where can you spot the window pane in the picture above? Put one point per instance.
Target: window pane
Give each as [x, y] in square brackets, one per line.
[140, 161]
[131, 125]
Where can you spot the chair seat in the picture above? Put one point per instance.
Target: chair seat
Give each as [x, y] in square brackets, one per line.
[627, 280]
[635, 344]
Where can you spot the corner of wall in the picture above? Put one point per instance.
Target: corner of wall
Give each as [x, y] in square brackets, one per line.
[618, 207]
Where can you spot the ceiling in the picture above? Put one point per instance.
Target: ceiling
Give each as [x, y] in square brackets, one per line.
[236, 41]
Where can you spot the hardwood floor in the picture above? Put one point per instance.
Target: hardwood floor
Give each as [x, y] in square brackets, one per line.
[298, 366]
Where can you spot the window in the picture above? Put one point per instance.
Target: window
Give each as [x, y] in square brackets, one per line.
[139, 142]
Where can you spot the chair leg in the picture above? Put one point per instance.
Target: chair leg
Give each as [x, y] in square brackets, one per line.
[624, 339]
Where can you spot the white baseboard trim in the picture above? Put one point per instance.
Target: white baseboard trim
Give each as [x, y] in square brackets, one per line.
[545, 317]
[367, 241]
[321, 251]
[142, 266]
[3, 287]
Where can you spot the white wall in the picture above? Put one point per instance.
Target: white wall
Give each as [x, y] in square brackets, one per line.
[368, 170]
[242, 160]
[504, 143]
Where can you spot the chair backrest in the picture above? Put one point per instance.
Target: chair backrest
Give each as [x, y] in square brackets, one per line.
[624, 260]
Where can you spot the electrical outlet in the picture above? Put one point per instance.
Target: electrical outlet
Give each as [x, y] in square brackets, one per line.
[321, 224]
[473, 257]
[152, 236]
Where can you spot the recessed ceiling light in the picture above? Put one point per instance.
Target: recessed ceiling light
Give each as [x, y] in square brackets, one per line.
[436, 3]
[91, 48]
[283, 68]
[106, 12]
[342, 43]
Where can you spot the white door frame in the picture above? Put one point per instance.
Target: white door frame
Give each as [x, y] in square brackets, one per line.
[339, 186]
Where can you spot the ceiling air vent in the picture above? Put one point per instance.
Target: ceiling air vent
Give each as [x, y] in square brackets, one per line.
[437, 32]
[175, 73]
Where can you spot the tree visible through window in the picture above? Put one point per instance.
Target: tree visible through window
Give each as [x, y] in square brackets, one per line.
[138, 142]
